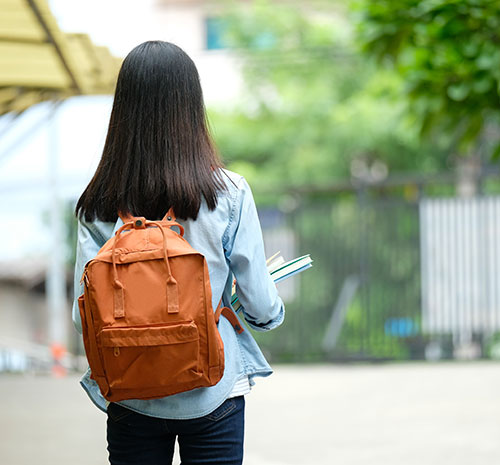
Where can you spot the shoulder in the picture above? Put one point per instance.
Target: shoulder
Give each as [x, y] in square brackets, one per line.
[237, 196]
[235, 183]
[231, 178]
[98, 230]
[236, 188]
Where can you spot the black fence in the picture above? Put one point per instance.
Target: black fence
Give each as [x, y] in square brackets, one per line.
[394, 277]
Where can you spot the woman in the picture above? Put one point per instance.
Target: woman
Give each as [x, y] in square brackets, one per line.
[159, 155]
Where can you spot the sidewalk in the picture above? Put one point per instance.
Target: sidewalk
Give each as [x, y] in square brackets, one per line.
[407, 414]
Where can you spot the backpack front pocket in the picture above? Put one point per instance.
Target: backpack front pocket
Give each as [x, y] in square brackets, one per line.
[152, 357]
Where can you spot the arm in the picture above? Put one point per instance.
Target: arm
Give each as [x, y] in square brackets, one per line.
[262, 307]
[88, 243]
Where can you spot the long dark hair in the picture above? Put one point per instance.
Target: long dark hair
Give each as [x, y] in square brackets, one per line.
[158, 152]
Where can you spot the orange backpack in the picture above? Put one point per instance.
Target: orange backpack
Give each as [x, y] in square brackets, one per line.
[149, 328]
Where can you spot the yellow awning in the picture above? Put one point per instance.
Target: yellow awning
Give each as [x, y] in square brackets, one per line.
[40, 62]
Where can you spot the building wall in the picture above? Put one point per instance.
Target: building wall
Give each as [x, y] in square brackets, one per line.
[185, 24]
[24, 317]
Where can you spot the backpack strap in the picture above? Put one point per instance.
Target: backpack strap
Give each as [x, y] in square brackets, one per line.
[230, 315]
[127, 217]
[170, 215]
[169, 219]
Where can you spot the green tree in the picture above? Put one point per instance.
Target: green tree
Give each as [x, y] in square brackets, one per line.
[447, 53]
[315, 105]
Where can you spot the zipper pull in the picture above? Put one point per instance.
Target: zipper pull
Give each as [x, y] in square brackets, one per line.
[116, 351]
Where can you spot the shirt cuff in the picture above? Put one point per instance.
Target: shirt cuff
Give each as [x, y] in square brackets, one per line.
[268, 326]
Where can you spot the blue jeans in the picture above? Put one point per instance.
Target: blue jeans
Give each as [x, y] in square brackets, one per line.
[217, 438]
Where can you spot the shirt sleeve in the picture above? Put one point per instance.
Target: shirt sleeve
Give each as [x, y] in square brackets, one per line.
[88, 243]
[261, 305]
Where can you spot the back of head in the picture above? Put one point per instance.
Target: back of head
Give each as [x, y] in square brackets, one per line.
[158, 151]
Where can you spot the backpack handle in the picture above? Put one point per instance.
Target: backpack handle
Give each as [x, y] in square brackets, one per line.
[169, 218]
[172, 291]
[173, 223]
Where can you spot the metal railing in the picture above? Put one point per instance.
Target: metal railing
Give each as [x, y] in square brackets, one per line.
[392, 278]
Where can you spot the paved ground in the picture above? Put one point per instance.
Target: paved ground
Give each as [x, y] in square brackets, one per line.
[408, 414]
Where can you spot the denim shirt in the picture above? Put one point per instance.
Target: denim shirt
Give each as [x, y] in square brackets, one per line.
[230, 238]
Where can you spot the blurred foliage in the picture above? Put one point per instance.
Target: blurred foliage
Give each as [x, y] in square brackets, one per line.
[318, 112]
[314, 104]
[447, 53]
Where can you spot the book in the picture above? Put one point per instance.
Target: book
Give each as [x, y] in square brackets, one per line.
[279, 271]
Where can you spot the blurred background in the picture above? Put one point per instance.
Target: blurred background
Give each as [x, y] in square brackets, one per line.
[370, 134]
